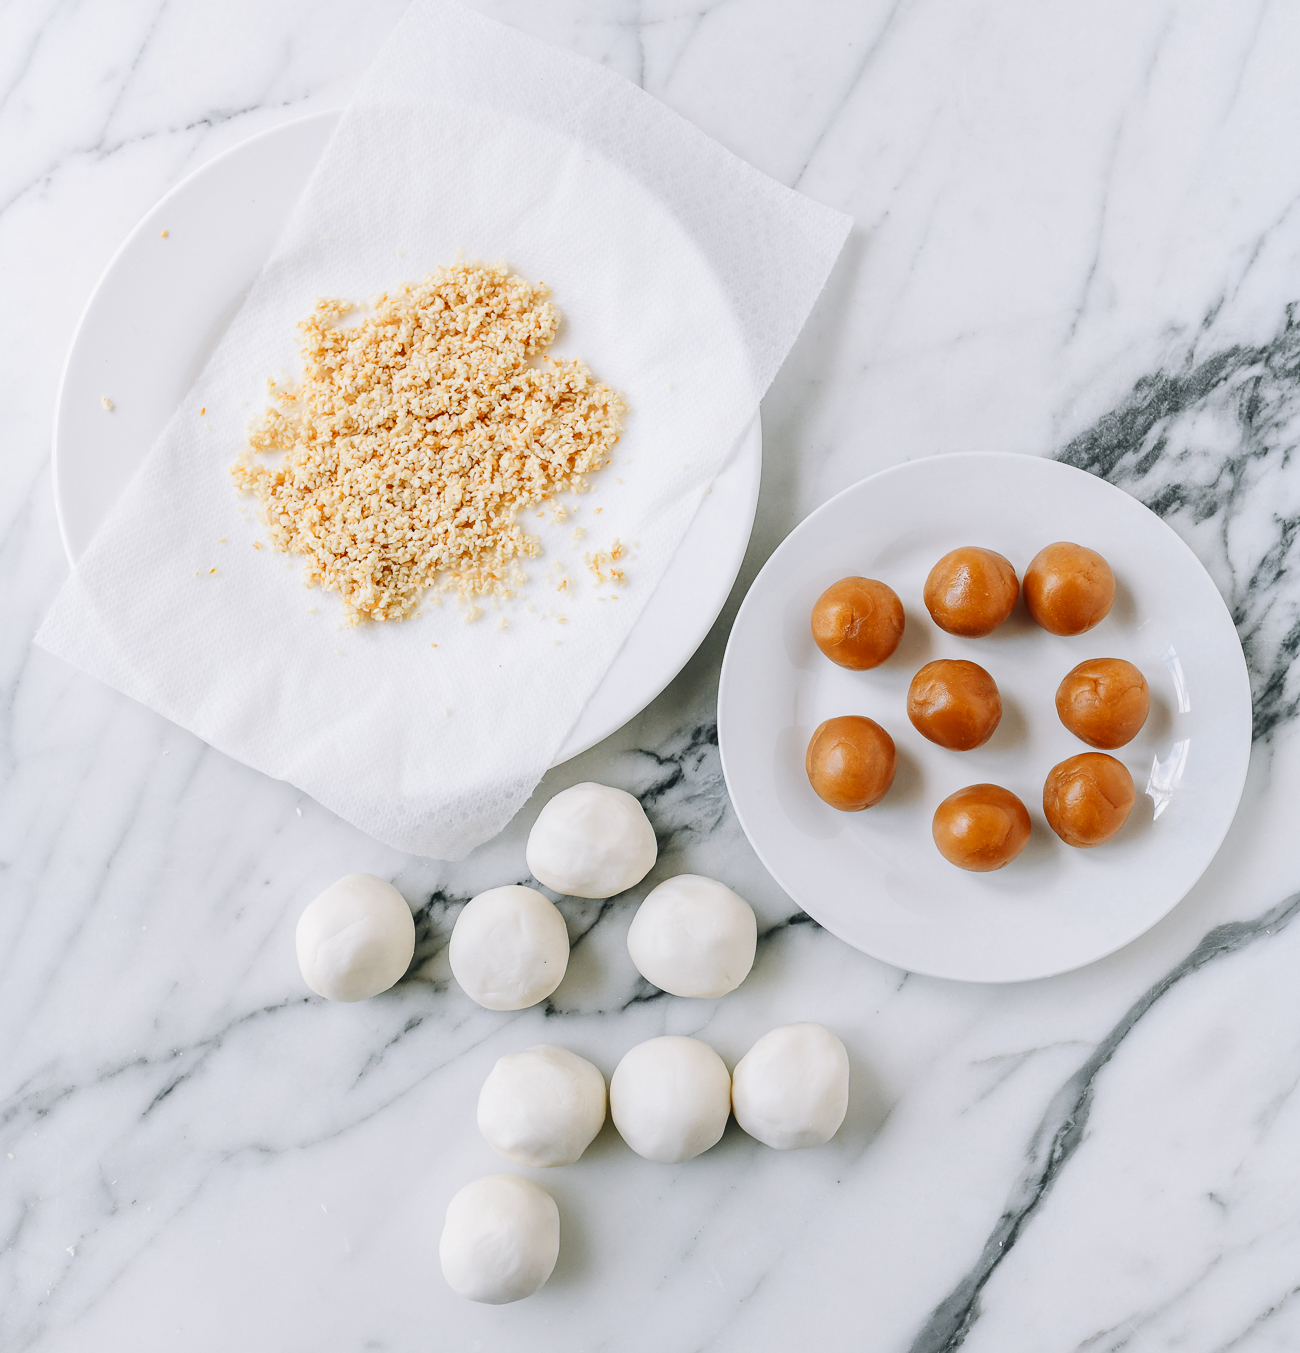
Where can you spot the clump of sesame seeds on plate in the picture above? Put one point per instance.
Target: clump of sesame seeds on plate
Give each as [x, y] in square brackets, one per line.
[419, 433]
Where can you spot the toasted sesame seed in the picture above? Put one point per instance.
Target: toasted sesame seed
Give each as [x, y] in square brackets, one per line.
[419, 435]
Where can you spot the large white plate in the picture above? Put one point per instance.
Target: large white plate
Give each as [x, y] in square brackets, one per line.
[875, 878]
[160, 308]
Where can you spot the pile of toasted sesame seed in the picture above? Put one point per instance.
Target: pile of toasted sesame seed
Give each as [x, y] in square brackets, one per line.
[419, 433]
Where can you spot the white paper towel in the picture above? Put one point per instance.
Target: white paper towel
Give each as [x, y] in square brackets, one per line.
[683, 276]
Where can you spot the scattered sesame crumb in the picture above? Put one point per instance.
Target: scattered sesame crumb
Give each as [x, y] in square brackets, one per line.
[447, 713]
[618, 481]
[473, 614]
[166, 233]
[212, 570]
[597, 511]
[503, 623]
[203, 410]
[257, 544]
[562, 619]
[601, 564]
[221, 540]
[107, 403]
[433, 645]
[579, 532]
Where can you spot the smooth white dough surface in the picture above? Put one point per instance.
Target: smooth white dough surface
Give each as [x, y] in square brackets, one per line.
[500, 1240]
[791, 1089]
[541, 1107]
[670, 1098]
[509, 948]
[693, 936]
[591, 840]
[1074, 240]
[356, 939]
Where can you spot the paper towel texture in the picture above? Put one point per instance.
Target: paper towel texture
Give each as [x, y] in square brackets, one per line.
[683, 276]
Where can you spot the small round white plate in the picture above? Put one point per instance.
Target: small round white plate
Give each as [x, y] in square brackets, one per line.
[875, 878]
[161, 307]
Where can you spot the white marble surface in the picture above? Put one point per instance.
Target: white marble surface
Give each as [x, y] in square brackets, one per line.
[1076, 236]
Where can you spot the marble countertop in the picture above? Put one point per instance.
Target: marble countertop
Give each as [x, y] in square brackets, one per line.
[1076, 236]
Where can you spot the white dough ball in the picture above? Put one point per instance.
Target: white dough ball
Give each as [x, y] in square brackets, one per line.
[791, 1089]
[591, 841]
[542, 1106]
[670, 1098]
[509, 948]
[693, 937]
[356, 939]
[501, 1239]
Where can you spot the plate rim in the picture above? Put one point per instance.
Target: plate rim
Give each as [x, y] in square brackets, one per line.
[128, 240]
[773, 562]
[746, 458]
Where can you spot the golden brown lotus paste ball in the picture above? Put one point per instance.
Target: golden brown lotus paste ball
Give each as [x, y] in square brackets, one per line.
[1088, 798]
[857, 622]
[954, 703]
[971, 591]
[851, 762]
[1068, 588]
[1104, 702]
[981, 828]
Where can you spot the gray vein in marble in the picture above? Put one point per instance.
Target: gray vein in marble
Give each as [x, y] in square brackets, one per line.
[1140, 1320]
[679, 819]
[1062, 1129]
[1251, 44]
[1261, 1319]
[1008, 1063]
[1099, 234]
[1157, 444]
[140, 52]
[28, 56]
[102, 149]
[832, 115]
